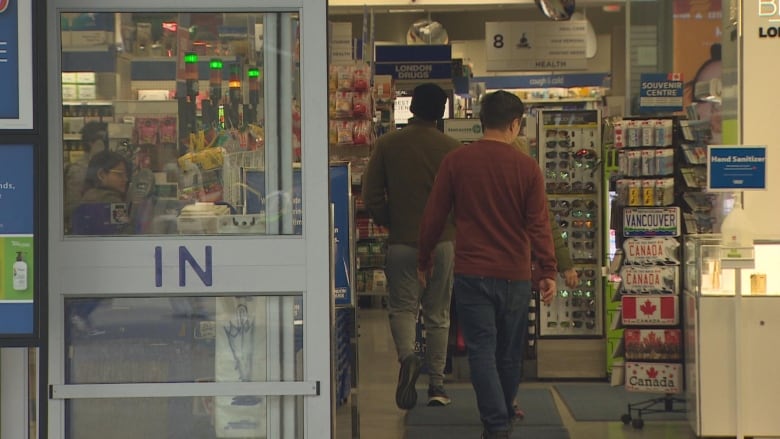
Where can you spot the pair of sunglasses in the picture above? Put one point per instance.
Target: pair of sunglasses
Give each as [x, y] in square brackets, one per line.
[553, 154]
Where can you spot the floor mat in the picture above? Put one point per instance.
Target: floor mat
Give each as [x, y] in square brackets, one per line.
[474, 431]
[538, 405]
[602, 402]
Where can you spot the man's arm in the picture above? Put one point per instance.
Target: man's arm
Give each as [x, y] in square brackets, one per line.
[435, 215]
[563, 256]
[540, 233]
[374, 189]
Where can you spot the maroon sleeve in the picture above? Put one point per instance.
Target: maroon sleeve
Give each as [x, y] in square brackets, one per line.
[538, 226]
[437, 209]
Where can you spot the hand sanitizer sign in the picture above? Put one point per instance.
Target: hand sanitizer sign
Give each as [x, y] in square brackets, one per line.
[736, 168]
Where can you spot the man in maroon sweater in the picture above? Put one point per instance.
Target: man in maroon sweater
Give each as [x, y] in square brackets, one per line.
[497, 196]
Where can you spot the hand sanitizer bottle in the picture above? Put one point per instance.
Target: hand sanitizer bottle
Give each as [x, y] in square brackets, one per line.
[736, 230]
[20, 273]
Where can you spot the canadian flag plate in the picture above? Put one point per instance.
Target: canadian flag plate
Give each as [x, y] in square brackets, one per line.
[653, 344]
[654, 377]
[650, 309]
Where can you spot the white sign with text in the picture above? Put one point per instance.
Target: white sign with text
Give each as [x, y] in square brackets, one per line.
[535, 45]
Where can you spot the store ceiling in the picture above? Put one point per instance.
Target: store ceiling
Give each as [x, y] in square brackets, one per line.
[340, 7]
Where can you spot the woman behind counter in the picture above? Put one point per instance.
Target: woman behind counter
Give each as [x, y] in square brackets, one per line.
[103, 208]
[107, 179]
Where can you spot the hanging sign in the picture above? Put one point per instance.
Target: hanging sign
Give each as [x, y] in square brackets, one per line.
[463, 130]
[564, 80]
[660, 92]
[535, 45]
[414, 63]
[736, 168]
[16, 67]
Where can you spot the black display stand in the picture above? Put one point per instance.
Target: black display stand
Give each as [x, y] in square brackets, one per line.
[632, 193]
[650, 406]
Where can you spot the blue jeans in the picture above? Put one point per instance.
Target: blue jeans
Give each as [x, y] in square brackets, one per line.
[492, 314]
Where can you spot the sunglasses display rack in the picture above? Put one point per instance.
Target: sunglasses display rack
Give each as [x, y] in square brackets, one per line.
[570, 158]
[570, 331]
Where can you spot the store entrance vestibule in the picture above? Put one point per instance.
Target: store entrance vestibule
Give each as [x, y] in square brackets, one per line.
[189, 234]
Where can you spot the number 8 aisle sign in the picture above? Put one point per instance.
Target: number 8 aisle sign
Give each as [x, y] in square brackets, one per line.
[530, 45]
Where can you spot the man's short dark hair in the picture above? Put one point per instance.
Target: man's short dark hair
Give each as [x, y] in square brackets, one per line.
[499, 109]
[428, 101]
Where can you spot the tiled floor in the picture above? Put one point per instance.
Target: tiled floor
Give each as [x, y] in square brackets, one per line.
[381, 419]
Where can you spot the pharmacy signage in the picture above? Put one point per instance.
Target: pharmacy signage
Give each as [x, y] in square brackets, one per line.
[414, 63]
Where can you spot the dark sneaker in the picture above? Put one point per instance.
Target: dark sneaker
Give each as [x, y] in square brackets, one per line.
[437, 396]
[405, 393]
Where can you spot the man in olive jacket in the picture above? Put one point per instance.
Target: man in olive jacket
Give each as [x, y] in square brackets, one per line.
[396, 186]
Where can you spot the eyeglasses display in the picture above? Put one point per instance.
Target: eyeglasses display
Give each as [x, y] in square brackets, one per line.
[570, 157]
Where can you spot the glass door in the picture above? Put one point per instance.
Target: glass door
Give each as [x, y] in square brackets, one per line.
[189, 227]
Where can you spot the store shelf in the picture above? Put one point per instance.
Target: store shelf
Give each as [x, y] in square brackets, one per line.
[560, 100]
[80, 49]
[372, 293]
[87, 103]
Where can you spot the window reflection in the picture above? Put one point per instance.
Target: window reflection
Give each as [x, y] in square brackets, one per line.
[179, 98]
[191, 418]
[183, 339]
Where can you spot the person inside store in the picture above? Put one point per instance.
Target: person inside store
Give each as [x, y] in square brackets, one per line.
[497, 197]
[103, 207]
[94, 137]
[396, 185]
[709, 109]
[103, 210]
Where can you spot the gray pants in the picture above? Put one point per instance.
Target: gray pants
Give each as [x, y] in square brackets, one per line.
[405, 297]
